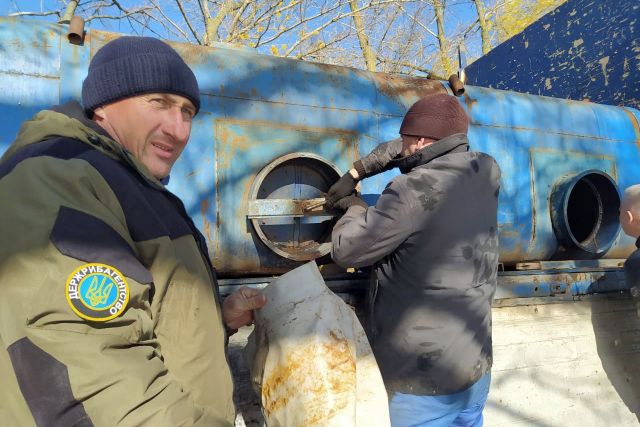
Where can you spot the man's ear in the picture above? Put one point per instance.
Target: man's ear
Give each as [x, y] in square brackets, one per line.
[630, 216]
[98, 114]
[631, 223]
[422, 142]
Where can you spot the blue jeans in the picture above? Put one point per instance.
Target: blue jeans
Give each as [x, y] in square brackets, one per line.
[461, 409]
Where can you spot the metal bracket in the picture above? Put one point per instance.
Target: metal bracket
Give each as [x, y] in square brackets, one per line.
[270, 208]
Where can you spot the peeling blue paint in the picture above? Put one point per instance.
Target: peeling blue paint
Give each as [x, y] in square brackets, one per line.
[583, 50]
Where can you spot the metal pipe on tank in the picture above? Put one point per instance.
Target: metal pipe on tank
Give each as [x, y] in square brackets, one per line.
[584, 212]
[457, 87]
[75, 34]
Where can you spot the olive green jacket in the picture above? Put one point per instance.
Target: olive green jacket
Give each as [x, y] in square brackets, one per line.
[109, 312]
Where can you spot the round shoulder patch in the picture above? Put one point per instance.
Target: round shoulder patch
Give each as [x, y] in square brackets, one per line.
[97, 292]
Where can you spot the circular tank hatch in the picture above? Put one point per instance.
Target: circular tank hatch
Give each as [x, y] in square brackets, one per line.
[584, 212]
[285, 206]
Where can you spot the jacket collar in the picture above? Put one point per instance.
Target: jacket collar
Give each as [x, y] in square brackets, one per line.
[451, 144]
[74, 110]
[70, 121]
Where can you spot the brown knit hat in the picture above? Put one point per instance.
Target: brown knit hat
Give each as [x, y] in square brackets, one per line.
[436, 117]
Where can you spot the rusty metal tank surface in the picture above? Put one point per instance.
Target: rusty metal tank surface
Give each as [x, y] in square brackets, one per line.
[274, 133]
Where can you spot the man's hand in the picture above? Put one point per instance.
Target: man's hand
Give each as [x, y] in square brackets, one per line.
[237, 308]
[343, 187]
[351, 200]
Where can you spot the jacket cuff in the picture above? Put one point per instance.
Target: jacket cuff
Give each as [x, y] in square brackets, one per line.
[359, 167]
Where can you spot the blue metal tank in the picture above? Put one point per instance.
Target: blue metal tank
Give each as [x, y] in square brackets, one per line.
[274, 133]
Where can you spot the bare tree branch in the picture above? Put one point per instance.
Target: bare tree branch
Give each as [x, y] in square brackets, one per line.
[188, 22]
[322, 46]
[55, 12]
[263, 32]
[206, 15]
[69, 12]
[231, 34]
[282, 9]
[212, 24]
[323, 26]
[170, 21]
[371, 34]
[388, 27]
[424, 27]
[301, 22]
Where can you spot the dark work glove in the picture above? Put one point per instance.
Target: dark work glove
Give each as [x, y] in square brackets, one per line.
[343, 187]
[346, 202]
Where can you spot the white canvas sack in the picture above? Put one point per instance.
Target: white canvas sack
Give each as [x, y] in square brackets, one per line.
[310, 359]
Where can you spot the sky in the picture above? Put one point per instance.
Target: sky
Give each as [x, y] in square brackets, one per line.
[459, 14]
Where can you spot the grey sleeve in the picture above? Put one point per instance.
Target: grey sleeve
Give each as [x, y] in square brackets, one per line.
[363, 236]
[378, 160]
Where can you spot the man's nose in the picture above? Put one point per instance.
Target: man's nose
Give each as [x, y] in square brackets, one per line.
[176, 126]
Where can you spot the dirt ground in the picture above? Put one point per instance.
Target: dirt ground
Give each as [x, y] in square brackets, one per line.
[246, 400]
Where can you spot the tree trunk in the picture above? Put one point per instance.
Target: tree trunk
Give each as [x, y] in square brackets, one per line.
[206, 15]
[484, 30]
[213, 23]
[438, 6]
[367, 52]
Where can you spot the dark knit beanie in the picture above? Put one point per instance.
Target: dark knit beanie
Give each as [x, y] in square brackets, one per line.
[436, 117]
[130, 66]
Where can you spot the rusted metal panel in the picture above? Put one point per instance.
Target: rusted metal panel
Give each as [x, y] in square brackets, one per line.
[73, 59]
[18, 94]
[243, 149]
[536, 141]
[29, 73]
[584, 50]
[585, 265]
[546, 282]
[29, 49]
[549, 283]
[547, 166]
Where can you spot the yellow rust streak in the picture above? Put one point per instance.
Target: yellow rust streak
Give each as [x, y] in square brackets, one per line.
[231, 144]
[241, 143]
[634, 123]
[233, 141]
[270, 124]
[242, 206]
[320, 372]
[406, 88]
[96, 39]
[204, 207]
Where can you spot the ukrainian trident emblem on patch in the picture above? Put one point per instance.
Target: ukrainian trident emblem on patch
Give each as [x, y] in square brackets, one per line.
[97, 292]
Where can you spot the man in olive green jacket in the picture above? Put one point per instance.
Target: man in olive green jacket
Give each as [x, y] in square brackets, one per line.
[109, 307]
